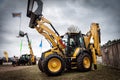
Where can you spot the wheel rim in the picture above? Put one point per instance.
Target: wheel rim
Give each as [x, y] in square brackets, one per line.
[54, 64]
[86, 62]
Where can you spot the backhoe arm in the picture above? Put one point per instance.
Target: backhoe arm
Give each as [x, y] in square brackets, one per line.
[94, 33]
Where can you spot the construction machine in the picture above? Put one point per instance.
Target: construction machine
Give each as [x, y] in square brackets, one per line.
[27, 58]
[70, 51]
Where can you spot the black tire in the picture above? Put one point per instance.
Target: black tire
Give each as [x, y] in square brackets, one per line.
[68, 67]
[46, 62]
[34, 63]
[80, 62]
[18, 62]
[1, 62]
[40, 65]
[68, 64]
[30, 62]
[95, 66]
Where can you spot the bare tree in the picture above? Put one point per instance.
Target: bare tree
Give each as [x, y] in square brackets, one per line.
[73, 29]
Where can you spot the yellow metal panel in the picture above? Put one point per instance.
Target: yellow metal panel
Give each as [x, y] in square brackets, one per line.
[94, 57]
[54, 50]
[87, 41]
[48, 53]
[76, 52]
[94, 31]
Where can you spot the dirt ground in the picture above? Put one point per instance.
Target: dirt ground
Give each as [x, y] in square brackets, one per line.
[8, 72]
[6, 68]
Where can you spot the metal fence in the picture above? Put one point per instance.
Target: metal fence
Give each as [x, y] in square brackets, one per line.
[111, 55]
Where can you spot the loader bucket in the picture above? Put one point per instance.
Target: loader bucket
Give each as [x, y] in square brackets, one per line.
[30, 6]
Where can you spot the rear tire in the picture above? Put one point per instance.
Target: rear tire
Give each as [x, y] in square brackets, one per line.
[68, 64]
[53, 65]
[84, 62]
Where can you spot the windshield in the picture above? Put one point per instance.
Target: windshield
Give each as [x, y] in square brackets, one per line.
[65, 39]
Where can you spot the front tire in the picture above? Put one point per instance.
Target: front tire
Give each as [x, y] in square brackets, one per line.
[84, 62]
[40, 65]
[53, 65]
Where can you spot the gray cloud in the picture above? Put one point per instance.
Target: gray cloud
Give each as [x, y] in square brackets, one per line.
[62, 13]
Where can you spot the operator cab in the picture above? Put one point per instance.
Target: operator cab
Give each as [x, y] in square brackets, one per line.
[72, 41]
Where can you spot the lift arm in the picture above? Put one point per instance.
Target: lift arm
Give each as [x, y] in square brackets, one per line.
[49, 34]
[38, 22]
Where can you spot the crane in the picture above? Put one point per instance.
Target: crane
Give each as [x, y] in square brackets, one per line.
[25, 58]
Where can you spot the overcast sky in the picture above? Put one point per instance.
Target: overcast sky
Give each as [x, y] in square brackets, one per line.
[62, 14]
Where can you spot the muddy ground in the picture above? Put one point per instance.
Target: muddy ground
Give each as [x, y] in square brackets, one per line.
[8, 72]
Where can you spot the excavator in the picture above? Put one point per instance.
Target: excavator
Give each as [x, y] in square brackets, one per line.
[27, 58]
[69, 51]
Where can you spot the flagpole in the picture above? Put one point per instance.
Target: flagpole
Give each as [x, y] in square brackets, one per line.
[20, 23]
[20, 29]
[41, 50]
[21, 46]
[40, 47]
[18, 15]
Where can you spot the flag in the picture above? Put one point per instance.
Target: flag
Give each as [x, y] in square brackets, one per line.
[6, 55]
[50, 44]
[40, 44]
[30, 41]
[16, 14]
[21, 45]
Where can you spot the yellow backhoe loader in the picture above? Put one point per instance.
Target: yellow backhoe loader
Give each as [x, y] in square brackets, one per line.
[70, 51]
